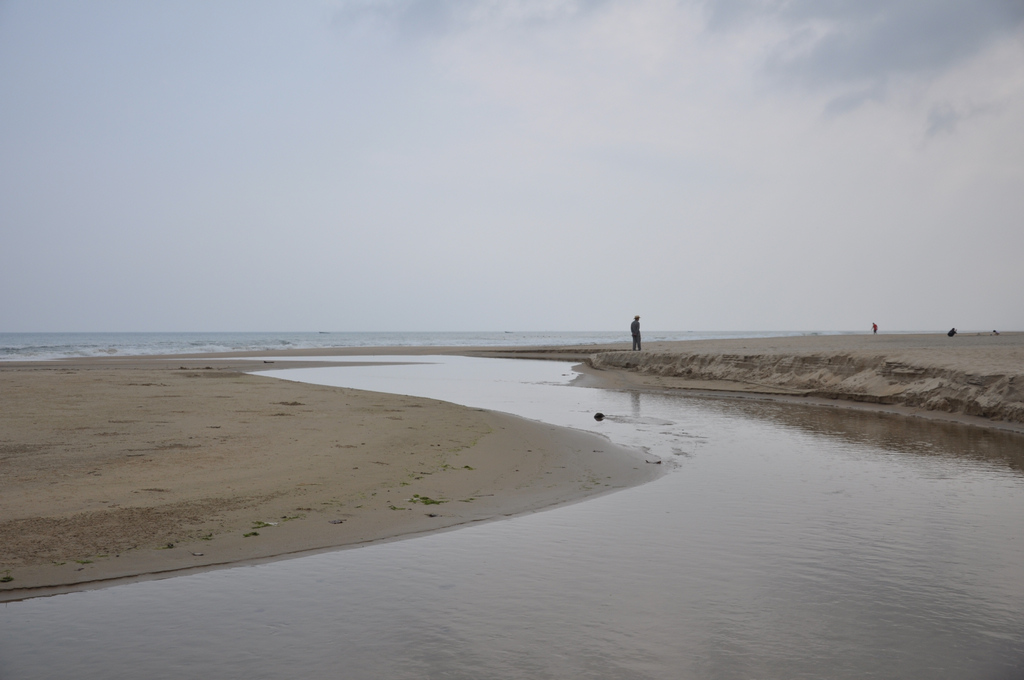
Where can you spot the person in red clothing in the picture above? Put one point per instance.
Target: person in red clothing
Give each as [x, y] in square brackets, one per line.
[874, 328]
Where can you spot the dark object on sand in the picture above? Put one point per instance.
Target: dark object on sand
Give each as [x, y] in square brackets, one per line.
[598, 416]
[952, 332]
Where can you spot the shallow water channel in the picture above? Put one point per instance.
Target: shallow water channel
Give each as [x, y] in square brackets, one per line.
[785, 541]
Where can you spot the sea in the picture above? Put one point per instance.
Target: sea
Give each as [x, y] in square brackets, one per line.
[46, 346]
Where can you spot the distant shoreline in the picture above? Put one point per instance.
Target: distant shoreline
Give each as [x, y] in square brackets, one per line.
[56, 346]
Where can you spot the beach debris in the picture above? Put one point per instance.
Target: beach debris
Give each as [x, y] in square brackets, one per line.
[426, 500]
[431, 514]
[653, 462]
[198, 554]
[170, 545]
[268, 362]
[598, 416]
[336, 521]
[251, 533]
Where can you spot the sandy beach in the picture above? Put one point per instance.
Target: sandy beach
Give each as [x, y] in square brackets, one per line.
[137, 467]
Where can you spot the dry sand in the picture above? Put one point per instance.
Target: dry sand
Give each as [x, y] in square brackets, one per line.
[134, 467]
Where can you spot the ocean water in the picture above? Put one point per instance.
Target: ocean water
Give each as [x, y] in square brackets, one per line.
[43, 346]
[784, 542]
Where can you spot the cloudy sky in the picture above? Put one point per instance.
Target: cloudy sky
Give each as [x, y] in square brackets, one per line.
[388, 165]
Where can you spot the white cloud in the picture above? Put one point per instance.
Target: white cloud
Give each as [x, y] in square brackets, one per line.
[531, 164]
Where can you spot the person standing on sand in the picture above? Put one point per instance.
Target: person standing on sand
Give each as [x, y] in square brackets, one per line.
[874, 328]
[634, 328]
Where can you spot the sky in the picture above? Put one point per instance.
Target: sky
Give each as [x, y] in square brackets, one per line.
[522, 165]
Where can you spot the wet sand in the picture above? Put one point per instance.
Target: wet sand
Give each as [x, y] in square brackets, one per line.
[140, 467]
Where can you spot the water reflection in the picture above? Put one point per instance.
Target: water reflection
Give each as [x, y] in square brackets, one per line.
[891, 432]
[785, 544]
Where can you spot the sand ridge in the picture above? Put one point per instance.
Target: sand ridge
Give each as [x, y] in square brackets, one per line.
[978, 375]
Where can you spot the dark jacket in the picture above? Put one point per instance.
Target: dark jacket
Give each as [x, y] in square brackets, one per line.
[634, 327]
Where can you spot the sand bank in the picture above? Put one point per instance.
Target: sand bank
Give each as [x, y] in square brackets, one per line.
[975, 375]
[135, 467]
